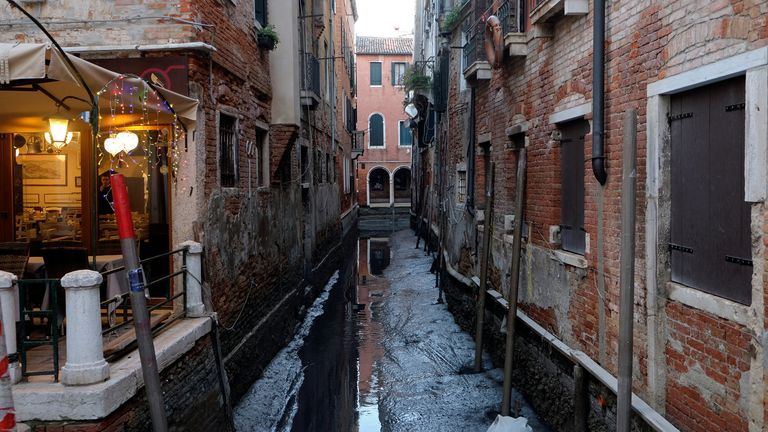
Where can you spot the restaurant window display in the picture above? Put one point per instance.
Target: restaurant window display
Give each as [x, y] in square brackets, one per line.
[47, 189]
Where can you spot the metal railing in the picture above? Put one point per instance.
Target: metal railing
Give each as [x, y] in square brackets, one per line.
[310, 79]
[511, 15]
[52, 329]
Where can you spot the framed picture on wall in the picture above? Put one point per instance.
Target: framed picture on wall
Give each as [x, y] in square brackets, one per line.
[45, 170]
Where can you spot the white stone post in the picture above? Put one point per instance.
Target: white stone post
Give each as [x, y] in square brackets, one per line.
[194, 277]
[8, 303]
[85, 356]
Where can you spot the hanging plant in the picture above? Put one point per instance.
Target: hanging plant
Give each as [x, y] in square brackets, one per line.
[267, 37]
[451, 18]
[416, 79]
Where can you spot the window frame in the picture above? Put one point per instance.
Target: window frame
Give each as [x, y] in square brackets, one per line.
[235, 149]
[381, 73]
[400, 124]
[383, 131]
[400, 81]
[264, 21]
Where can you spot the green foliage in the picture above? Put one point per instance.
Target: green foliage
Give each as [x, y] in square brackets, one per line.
[451, 18]
[269, 33]
[416, 79]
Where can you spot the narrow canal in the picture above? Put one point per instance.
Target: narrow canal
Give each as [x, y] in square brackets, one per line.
[377, 352]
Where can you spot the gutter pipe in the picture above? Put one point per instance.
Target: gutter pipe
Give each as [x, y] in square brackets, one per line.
[598, 93]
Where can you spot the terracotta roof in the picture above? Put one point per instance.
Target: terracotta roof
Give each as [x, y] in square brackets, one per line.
[384, 45]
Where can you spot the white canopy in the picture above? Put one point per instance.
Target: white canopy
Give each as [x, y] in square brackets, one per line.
[34, 79]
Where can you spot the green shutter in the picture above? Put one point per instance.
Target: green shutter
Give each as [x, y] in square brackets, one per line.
[376, 129]
[375, 73]
[394, 74]
[405, 134]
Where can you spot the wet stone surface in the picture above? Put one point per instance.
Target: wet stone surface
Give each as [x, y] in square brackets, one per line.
[378, 352]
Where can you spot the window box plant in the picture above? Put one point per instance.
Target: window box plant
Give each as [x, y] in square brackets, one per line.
[267, 37]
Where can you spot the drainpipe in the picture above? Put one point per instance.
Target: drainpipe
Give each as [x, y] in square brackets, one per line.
[471, 155]
[598, 93]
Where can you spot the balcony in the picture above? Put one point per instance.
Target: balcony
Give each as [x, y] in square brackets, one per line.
[475, 63]
[357, 144]
[544, 11]
[310, 81]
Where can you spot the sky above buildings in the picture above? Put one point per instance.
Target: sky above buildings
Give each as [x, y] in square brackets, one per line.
[385, 17]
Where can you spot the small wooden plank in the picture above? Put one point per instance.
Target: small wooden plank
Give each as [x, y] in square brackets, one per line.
[127, 338]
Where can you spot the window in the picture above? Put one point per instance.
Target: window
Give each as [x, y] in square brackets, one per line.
[710, 246]
[228, 151]
[461, 184]
[375, 73]
[346, 173]
[398, 72]
[572, 186]
[327, 64]
[262, 157]
[376, 131]
[405, 134]
[260, 9]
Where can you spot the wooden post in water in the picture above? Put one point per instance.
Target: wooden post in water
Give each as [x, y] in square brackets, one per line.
[487, 233]
[512, 299]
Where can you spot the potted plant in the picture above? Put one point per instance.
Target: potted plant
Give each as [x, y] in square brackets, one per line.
[267, 37]
[417, 79]
[451, 18]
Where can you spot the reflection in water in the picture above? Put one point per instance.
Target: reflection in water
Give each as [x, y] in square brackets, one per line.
[340, 355]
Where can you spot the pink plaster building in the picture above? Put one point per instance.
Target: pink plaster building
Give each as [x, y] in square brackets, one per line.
[384, 170]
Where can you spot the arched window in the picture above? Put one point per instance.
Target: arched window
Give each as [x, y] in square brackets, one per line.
[376, 130]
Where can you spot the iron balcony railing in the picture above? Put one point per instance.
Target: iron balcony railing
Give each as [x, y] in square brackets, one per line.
[50, 332]
[310, 79]
[511, 15]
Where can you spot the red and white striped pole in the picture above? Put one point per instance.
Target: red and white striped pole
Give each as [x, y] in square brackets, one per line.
[7, 411]
[141, 321]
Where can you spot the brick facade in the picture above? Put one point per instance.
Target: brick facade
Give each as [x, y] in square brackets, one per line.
[702, 376]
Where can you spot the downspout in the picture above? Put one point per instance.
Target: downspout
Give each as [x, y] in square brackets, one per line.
[598, 93]
[471, 155]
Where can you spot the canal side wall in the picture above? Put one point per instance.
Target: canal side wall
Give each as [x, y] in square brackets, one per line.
[191, 393]
[542, 374]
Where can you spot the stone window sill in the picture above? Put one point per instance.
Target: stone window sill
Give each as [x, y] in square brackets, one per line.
[550, 9]
[702, 301]
[570, 259]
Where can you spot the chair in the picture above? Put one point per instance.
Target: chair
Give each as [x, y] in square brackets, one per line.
[60, 261]
[13, 257]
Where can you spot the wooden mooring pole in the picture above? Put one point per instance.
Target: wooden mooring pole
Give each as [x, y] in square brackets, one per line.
[487, 233]
[512, 298]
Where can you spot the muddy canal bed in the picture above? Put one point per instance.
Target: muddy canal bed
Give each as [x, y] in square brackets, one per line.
[377, 352]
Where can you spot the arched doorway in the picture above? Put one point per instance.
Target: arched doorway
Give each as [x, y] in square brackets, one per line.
[378, 186]
[402, 185]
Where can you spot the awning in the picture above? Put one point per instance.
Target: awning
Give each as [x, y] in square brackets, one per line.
[34, 79]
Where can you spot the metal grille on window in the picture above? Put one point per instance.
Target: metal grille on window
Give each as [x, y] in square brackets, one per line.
[461, 187]
[228, 151]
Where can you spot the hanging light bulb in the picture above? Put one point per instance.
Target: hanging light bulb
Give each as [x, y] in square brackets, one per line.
[129, 140]
[112, 145]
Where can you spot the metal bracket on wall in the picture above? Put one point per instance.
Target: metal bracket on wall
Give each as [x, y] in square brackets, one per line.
[671, 118]
[680, 248]
[736, 260]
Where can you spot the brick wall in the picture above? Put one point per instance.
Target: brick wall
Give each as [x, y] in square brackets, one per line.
[708, 358]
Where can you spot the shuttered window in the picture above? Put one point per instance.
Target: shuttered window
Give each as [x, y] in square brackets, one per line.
[375, 73]
[572, 188]
[709, 239]
[376, 131]
[405, 134]
[261, 11]
[398, 72]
